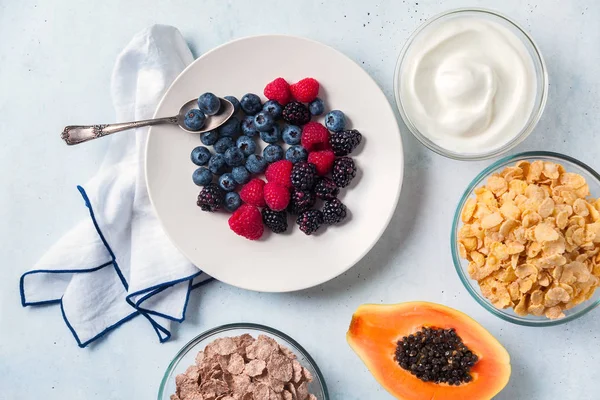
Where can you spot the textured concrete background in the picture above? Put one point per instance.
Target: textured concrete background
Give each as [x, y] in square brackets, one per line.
[55, 63]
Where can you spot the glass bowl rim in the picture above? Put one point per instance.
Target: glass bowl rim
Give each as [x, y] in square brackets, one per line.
[467, 281]
[536, 114]
[240, 325]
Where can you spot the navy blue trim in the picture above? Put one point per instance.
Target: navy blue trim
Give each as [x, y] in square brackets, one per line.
[160, 287]
[152, 312]
[157, 327]
[105, 331]
[204, 282]
[88, 204]
[24, 303]
[153, 290]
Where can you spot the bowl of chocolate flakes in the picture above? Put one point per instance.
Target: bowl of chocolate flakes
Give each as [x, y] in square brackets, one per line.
[243, 362]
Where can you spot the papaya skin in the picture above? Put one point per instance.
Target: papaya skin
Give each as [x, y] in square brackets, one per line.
[376, 328]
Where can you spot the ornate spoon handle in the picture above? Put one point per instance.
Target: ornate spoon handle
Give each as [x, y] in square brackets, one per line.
[75, 134]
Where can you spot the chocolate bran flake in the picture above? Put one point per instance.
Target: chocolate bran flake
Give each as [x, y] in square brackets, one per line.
[244, 368]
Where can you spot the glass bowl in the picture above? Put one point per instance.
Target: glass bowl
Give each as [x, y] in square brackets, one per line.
[540, 72]
[186, 356]
[571, 165]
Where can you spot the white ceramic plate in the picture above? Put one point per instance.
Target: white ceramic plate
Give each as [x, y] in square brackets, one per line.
[292, 261]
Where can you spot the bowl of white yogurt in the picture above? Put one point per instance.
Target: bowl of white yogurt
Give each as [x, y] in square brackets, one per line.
[470, 84]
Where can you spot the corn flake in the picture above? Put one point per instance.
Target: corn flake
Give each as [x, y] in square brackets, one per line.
[468, 210]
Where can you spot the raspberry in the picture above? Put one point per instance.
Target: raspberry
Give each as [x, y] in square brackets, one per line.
[315, 137]
[305, 90]
[278, 90]
[253, 193]
[277, 197]
[279, 172]
[275, 220]
[211, 198]
[326, 189]
[334, 211]
[303, 175]
[296, 113]
[323, 161]
[309, 221]
[344, 171]
[344, 142]
[246, 221]
[301, 200]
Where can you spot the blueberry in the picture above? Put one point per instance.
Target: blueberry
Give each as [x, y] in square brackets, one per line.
[274, 108]
[292, 134]
[232, 201]
[240, 175]
[335, 121]
[271, 136]
[236, 103]
[256, 164]
[202, 176]
[194, 119]
[209, 104]
[246, 145]
[200, 155]
[296, 154]
[316, 107]
[263, 121]
[272, 153]
[217, 164]
[248, 127]
[227, 182]
[209, 138]
[250, 103]
[230, 128]
[223, 144]
[234, 157]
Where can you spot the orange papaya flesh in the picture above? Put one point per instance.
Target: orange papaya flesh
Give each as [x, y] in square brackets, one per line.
[376, 329]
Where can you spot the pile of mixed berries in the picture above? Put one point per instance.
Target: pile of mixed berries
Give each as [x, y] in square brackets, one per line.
[314, 166]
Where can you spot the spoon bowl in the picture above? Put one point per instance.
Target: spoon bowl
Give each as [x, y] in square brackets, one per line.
[212, 121]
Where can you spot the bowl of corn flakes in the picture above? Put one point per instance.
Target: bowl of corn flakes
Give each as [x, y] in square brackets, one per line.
[526, 238]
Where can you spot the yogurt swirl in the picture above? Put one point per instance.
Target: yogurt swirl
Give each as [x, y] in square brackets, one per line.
[468, 84]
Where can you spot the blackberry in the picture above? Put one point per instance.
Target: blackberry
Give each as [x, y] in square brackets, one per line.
[326, 189]
[296, 113]
[309, 221]
[211, 198]
[303, 175]
[334, 211]
[300, 200]
[275, 220]
[344, 142]
[344, 171]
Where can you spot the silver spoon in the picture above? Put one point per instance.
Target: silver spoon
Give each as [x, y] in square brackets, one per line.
[75, 134]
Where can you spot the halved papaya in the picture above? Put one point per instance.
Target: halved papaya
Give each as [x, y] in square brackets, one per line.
[376, 329]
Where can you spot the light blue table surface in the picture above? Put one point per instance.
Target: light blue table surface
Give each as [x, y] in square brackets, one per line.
[55, 63]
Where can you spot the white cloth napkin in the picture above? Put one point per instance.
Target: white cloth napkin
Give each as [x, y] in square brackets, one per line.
[118, 263]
